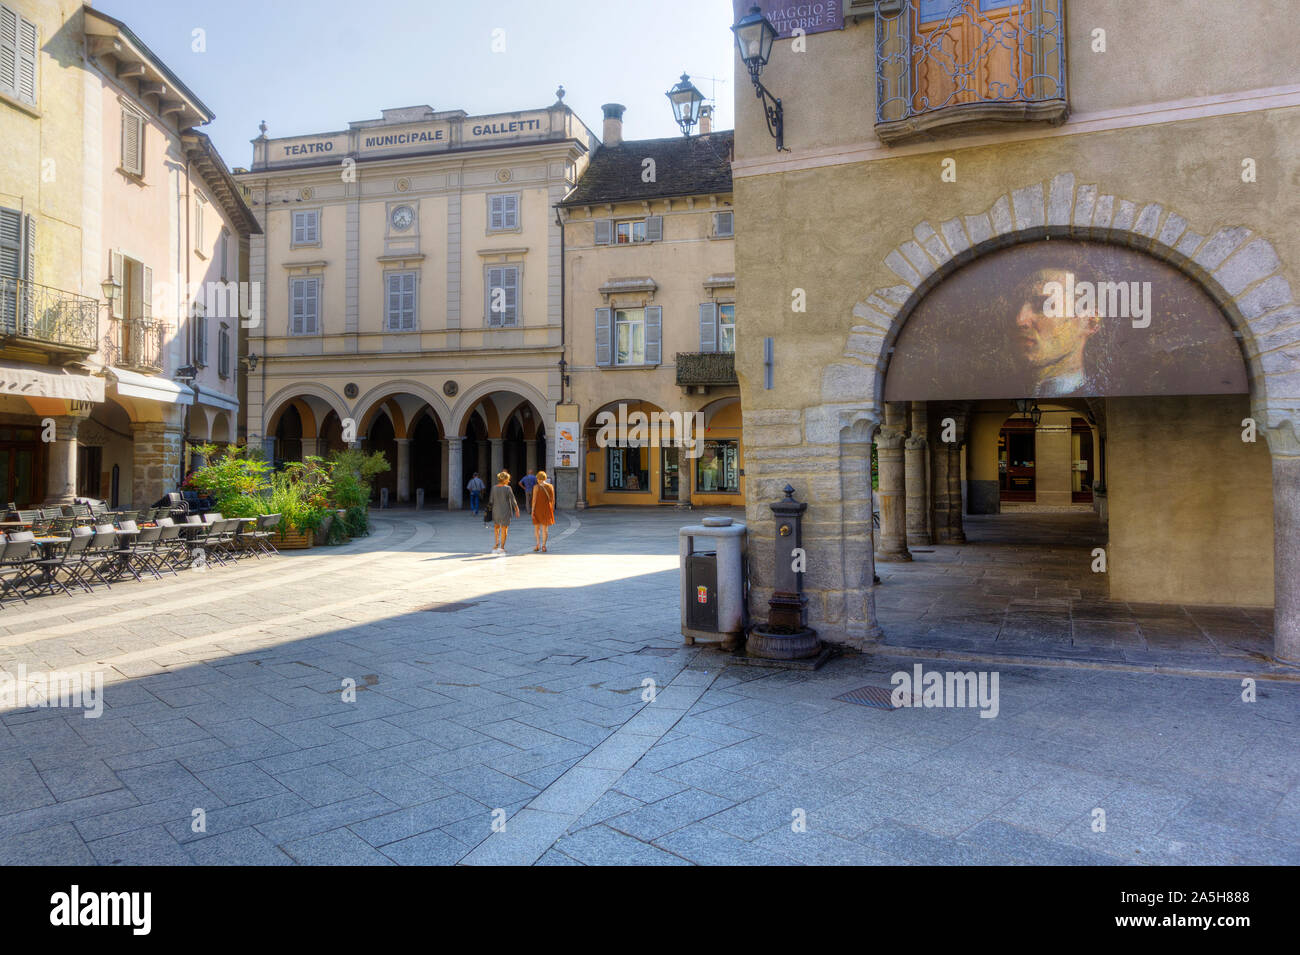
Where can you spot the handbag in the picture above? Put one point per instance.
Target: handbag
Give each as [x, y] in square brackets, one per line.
[487, 510]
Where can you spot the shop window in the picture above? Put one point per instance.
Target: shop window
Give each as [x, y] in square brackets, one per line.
[627, 469]
[717, 470]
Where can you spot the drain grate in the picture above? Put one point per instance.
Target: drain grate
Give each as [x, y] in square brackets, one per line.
[878, 696]
[450, 607]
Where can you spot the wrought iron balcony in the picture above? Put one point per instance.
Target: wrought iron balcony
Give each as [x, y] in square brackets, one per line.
[706, 369]
[137, 344]
[50, 319]
[968, 65]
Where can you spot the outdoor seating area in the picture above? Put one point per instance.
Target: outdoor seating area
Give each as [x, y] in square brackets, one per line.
[78, 547]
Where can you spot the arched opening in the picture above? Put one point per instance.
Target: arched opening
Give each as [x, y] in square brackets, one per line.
[331, 435]
[381, 437]
[288, 436]
[426, 460]
[1071, 412]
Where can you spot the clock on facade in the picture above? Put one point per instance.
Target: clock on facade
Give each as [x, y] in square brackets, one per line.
[402, 217]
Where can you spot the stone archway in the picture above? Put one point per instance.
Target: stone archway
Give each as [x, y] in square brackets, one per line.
[1238, 269]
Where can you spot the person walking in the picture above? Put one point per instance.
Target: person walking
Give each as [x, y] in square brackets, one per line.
[528, 482]
[504, 506]
[543, 511]
[476, 487]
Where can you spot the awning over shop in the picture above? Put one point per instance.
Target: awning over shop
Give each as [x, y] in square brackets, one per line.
[47, 381]
[216, 399]
[132, 384]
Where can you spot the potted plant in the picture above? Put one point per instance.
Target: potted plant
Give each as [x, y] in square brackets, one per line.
[299, 494]
[351, 472]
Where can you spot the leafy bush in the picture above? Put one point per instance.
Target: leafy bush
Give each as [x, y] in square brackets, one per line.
[236, 481]
[300, 495]
[351, 472]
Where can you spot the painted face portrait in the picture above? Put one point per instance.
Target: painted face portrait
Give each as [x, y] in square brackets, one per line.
[1051, 335]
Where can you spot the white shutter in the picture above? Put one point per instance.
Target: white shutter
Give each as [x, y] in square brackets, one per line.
[708, 327]
[26, 65]
[8, 50]
[654, 319]
[132, 142]
[115, 273]
[146, 293]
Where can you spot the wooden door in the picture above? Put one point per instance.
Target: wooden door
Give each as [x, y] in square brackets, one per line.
[969, 51]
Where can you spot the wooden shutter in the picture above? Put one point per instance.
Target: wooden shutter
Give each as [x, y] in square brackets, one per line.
[146, 293]
[11, 265]
[26, 61]
[604, 318]
[654, 319]
[654, 228]
[604, 230]
[708, 327]
[8, 50]
[115, 273]
[496, 212]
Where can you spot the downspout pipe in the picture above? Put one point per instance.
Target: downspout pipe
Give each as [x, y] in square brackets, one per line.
[560, 223]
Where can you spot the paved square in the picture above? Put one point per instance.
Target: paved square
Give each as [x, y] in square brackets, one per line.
[328, 707]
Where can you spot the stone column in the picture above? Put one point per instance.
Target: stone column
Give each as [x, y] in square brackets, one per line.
[685, 472]
[582, 471]
[268, 448]
[485, 465]
[312, 447]
[855, 522]
[1286, 557]
[530, 455]
[498, 459]
[156, 457]
[455, 492]
[403, 470]
[955, 534]
[939, 484]
[443, 470]
[918, 527]
[61, 481]
[892, 545]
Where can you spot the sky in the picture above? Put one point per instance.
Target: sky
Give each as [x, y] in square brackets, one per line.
[308, 67]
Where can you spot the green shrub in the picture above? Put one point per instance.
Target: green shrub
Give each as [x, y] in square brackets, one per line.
[236, 481]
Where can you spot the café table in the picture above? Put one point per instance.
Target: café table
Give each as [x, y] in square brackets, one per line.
[47, 545]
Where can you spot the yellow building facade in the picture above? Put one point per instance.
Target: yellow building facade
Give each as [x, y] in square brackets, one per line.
[652, 319]
[123, 232]
[411, 267]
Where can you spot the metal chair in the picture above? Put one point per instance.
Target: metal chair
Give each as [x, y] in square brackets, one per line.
[264, 534]
[68, 561]
[15, 564]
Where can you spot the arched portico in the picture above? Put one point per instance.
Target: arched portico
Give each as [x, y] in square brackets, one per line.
[1237, 269]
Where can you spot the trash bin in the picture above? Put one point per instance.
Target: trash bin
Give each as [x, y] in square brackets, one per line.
[713, 581]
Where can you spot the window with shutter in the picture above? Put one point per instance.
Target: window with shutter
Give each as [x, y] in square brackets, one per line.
[146, 293]
[654, 228]
[200, 322]
[603, 318]
[723, 224]
[199, 203]
[629, 336]
[304, 310]
[727, 328]
[223, 351]
[27, 52]
[604, 231]
[400, 309]
[19, 52]
[225, 255]
[503, 296]
[11, 265]
[503, 213]
[708, 327]
[8, 51]
[306, 227]
[133, 126]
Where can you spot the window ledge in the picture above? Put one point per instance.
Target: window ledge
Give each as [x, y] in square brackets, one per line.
[636, 283]
[316, 264]
[135, 177]
[971, 118]
[400, 257]
[18, 104]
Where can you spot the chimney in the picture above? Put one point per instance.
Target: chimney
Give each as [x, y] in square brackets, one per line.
[706, 119]
[613, 133]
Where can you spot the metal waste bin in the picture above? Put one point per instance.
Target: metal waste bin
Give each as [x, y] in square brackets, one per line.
[713, 581]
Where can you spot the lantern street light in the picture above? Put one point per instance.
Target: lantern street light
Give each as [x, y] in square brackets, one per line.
[686, 100]
[1029, 408]
[754, 35]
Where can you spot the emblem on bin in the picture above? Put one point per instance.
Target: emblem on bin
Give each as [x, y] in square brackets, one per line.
[702, 594]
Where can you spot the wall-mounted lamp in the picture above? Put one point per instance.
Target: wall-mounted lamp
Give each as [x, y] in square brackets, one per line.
[111, 289]
[754, 35]
[1028, 407]
[686, 100]
[251, 362]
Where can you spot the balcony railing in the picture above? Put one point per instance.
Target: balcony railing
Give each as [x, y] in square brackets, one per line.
[48, 318]
[706, 368]
[969, 64]
[137, 344]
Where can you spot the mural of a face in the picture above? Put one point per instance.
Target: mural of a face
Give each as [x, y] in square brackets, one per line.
[1052, 344]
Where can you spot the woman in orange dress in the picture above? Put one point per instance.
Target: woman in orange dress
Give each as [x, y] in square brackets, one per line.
[543, 510]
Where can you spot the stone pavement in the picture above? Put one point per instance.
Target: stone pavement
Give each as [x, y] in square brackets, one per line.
[512, 689]
[1022, 587]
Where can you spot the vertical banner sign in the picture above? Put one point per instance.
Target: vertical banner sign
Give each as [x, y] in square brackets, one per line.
[811, 16]
[566, 436]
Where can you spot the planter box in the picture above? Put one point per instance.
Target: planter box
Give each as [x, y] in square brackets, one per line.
[294, 540]
[323, 533]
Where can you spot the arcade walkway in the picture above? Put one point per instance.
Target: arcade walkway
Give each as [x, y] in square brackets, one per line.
[1022, 587]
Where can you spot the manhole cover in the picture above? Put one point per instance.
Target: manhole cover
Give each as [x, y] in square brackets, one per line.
[877, 696]
[450, 607]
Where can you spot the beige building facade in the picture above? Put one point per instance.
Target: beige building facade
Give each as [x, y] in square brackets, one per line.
[1125, 133]
[411, 267]
[652, 319]
[123, 228]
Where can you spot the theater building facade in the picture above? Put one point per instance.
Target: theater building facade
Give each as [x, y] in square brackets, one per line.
[411, 267]
[1049, 262]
